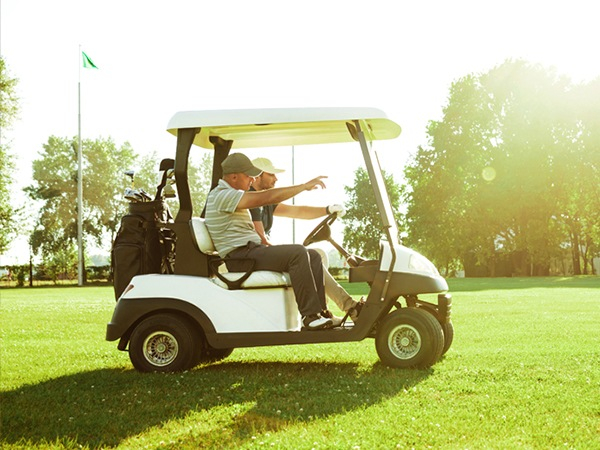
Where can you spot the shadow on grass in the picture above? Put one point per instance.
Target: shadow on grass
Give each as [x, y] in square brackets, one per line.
[105, 407]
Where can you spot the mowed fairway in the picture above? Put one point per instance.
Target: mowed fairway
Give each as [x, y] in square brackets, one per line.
[523, 372]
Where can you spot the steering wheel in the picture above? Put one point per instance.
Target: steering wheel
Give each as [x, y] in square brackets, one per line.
[322, 232]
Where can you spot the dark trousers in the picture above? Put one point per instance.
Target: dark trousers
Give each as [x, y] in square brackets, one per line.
[304, 266]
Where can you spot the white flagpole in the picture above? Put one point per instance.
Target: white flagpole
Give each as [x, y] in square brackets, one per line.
[293, 198]
[79, 183]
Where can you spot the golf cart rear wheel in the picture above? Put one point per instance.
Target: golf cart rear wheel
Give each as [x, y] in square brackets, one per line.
[409, 337]
[164, 343]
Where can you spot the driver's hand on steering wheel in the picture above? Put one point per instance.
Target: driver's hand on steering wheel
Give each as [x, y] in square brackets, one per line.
[339, 209]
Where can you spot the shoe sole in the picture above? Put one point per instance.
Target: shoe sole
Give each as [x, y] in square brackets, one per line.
[324, 326]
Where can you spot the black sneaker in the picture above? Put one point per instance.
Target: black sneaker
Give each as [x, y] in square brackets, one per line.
[336, 321]
[316, 322]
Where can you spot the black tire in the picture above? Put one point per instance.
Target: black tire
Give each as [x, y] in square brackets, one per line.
[409, 338]
[448, 330]
[164, 343]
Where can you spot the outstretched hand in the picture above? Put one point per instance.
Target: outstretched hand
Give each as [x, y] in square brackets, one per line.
[315, 183]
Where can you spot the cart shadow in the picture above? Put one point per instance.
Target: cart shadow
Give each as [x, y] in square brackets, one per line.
[106, 407]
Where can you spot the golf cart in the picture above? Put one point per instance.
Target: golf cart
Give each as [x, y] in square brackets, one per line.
[198, 312]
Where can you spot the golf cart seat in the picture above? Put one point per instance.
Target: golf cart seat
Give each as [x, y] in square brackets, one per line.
[233, 280]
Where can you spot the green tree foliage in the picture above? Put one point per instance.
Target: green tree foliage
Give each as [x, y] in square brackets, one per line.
[55, 185]
[199, 177]
[580, 181]
[8, 113]
[200, 173]
[509, 175]
[363, 228]
[104, 184]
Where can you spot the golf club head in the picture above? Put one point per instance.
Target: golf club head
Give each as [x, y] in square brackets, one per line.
[146, 197]
[169, 191]
[133, 195]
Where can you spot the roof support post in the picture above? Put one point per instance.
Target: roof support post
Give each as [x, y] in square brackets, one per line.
[185, 138]
[383, 202]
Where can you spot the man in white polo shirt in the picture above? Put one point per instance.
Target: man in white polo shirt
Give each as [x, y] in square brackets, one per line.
[229, 223]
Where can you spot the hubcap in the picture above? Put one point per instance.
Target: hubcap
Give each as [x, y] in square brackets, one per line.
[404, 342]
[160, 348]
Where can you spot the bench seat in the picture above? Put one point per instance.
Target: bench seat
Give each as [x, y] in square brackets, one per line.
[257, 279]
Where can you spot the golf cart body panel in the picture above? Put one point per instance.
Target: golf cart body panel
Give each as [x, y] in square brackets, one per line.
[242, 310]
[267, 314]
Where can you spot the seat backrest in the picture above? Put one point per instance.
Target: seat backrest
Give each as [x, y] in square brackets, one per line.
[201, 236]
[237, 280]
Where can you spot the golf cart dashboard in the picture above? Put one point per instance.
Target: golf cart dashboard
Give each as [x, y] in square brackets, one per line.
[364, 272]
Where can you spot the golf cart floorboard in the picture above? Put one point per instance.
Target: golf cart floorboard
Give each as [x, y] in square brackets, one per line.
[237, 340]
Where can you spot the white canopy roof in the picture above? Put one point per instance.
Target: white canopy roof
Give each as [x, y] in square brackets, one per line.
[250, 128]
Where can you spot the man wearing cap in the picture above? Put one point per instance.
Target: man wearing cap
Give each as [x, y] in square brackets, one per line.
[263, 221]
[232, 231]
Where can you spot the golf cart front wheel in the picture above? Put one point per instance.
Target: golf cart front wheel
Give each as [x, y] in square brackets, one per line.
[164, 343]
[447, 328]
[409, 337]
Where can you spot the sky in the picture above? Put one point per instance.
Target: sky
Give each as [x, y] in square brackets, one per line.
[156, 58]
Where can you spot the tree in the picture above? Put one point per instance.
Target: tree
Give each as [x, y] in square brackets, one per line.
[363, 228]
[491, 187]
[444, 182]
[55, 184]
[199, 178]
[8, 113]
[579, 183]
[104, 183]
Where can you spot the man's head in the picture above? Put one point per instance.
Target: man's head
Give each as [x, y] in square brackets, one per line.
[239, 171]
[268, 178]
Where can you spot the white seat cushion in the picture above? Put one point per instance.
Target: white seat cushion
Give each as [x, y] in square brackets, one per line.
[201, 236]
[258, 279]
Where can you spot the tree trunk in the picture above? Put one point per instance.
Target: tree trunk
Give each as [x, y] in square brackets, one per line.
[575, 252]
[585, 252]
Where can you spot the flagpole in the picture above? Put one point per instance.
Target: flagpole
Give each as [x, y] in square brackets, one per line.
[293, 198]
[79, 182]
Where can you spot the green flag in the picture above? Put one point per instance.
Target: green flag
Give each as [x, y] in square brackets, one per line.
[87, 62]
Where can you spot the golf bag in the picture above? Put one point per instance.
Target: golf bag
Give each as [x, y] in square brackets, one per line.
[143, 244]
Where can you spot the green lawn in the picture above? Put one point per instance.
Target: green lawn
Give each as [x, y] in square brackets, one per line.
[523, 372]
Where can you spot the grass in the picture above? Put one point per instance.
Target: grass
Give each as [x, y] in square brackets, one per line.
[523, 372]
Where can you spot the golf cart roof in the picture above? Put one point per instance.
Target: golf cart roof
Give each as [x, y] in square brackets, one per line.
[251, 128]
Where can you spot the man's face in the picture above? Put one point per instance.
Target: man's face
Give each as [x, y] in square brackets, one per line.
[265, 181]
[239, 181]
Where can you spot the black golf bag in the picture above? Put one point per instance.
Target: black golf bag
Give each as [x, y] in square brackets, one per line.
[143, 244]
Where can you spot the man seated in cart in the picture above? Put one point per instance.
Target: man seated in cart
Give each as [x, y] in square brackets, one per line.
[263, 222]
[230, 225]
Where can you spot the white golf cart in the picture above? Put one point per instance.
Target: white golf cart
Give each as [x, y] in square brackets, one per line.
[200, 313]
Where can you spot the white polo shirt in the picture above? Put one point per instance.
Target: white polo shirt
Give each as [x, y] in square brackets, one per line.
[228, 228]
